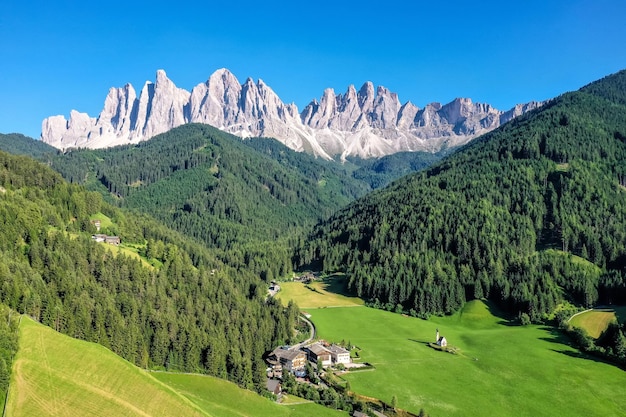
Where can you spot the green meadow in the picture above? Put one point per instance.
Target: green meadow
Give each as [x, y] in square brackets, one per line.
[54, 374]
[500, 370]
[597, 320]
[221, 398]
[329, 291]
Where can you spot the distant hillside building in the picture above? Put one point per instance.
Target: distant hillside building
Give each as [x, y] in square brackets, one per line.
[111, 240]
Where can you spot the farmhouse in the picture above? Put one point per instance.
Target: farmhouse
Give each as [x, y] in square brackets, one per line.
[96, 223]
[306, 278]
[99, 237]
[339, 354]
[111, 240]
[282, 357]
[273, 386]
[318, 353]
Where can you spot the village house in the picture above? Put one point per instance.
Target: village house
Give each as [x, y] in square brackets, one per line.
[273, 386]
[96, 223]
[318, 353]
[99, 237]
[111, 240]
[282, 357]
[305, 278]
[339, 354]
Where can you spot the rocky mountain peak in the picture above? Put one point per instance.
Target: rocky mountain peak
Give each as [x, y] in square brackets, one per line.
[370, 122]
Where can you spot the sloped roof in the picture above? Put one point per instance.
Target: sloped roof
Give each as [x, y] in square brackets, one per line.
[287, 354]
[336, 349]
[318, 349]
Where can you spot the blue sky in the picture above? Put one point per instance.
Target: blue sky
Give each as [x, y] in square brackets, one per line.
[59, 56]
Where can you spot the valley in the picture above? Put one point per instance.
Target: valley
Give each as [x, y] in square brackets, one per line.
[151, 264]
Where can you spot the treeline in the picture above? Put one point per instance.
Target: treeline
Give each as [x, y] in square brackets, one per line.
[194, 313]
[480, 223]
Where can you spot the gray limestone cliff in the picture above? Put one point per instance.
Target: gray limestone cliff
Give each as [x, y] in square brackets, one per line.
[370, 122]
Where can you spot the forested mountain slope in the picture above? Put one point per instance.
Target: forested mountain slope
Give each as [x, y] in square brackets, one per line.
[188, 311]
[528, 215]
[224, 192]
[227, 193]
[19, 144]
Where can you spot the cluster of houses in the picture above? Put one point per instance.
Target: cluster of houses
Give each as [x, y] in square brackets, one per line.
[99, 237]
[111, 240]
[306, 278]
[294, 359]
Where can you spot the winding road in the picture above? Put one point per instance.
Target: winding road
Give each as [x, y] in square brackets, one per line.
[311, 337]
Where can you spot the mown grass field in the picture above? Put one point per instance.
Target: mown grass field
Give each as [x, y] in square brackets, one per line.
[128, 251]
[501, 370]
[597, 320]
[221, 398]
[329, 291]
[105, 221]
[56, 375]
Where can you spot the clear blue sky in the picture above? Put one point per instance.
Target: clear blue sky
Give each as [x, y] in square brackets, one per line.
[59, 56]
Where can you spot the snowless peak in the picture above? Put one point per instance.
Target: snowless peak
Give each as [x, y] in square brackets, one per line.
[161, 76]
[370, 122]
[224, 75]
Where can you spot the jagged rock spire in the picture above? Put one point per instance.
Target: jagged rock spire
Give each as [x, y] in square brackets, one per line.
[369, 123]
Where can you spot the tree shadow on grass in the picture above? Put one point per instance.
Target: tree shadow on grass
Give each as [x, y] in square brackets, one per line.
[581, 355]
[620, 313]
[337, 284]
[560, 338]
[556, 336]
[422, 342]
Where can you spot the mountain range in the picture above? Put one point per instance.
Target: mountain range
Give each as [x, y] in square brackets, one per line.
[370, 122]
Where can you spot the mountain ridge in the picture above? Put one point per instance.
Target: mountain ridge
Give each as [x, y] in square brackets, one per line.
[370, 122]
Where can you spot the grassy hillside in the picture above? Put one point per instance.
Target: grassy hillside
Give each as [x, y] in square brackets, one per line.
[499, 370]
[220, 398]
[57, 375]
